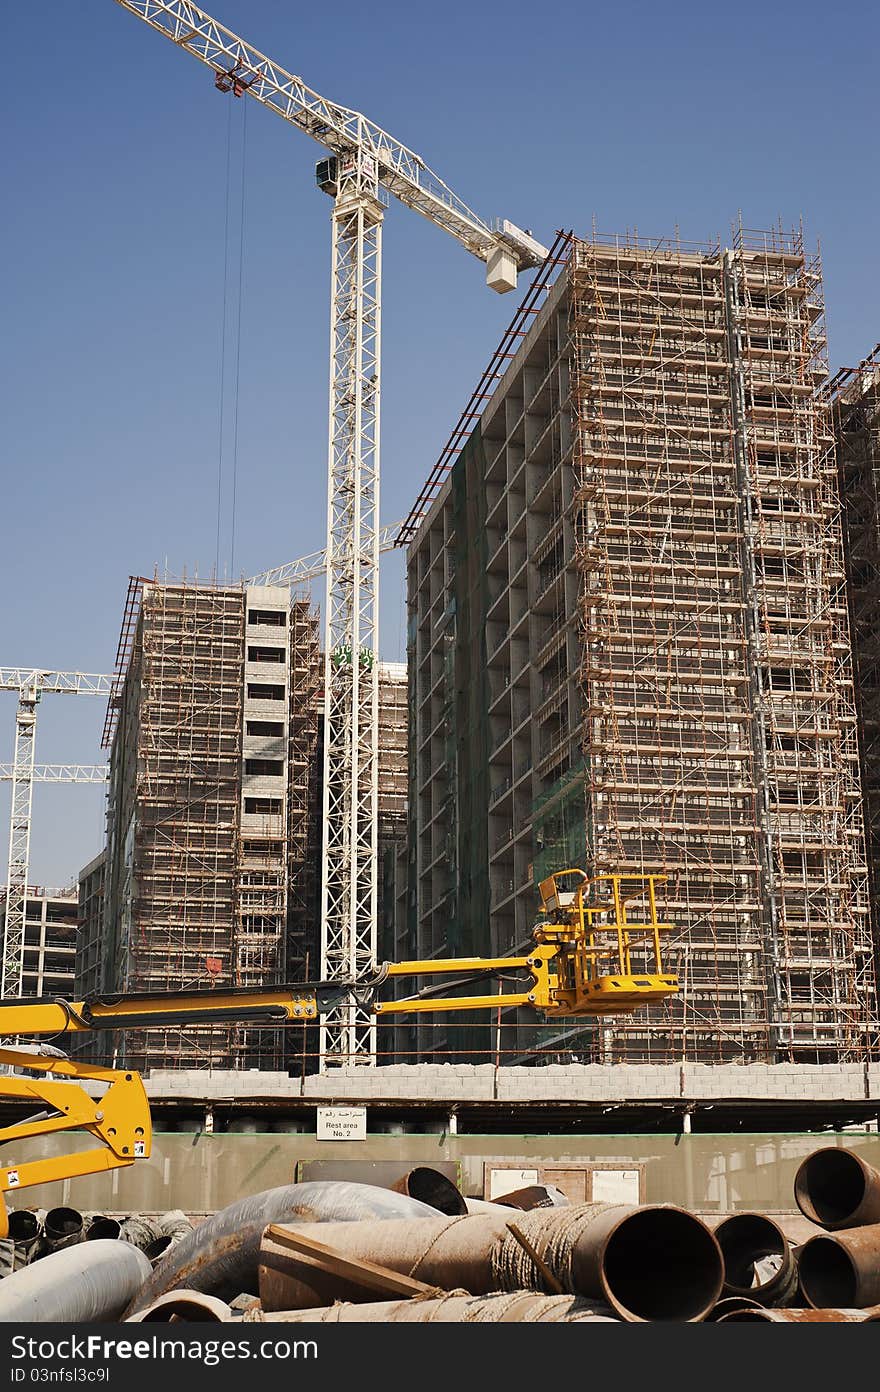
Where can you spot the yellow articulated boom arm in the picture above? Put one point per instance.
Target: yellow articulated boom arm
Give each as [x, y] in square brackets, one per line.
[596, 952]
[590, 955]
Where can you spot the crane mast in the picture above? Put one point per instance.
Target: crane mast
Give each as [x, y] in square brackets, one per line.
[351, 648]
[30, 683]
[364, 159]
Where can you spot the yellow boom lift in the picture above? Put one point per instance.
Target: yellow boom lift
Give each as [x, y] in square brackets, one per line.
[589, 957]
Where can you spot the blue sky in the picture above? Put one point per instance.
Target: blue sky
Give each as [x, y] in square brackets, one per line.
[115, 209]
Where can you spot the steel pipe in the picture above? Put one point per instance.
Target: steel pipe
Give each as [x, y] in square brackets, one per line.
[747, 1240]
[24, 1230]
[183, 1306]
[62, 1227]
[651, 1263]
[841, 1269]
[140, 1231]
[90, 1281]
[828, 1316]
[433, 1188]
[221, 1254]
[728, 1305]
[837, 1189]
[155, 1250]
[101, 1226]
[173, 1228]
[509, 1307]
[24, 1226]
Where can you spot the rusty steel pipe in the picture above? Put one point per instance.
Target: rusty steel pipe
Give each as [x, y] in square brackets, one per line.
[648, 1263]
[433, 1188]
[728, 1305]
[220, 1255]
[828, 1316]
[837, 1189]
[745, 1240]
[842, 1269]
[510, 1307]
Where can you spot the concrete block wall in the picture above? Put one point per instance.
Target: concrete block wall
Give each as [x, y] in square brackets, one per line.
[563, 1083]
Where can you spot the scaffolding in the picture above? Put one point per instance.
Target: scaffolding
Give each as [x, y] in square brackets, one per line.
[182, 712]
[213, 822]
[303, 792]
[854, 396]
[719, 723]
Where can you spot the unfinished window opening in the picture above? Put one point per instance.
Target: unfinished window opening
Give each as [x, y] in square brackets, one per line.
[262, 807]
[260, 654]
[265, 768]
[257, 691]
[262, 848]
[265, 727]
[273, 618]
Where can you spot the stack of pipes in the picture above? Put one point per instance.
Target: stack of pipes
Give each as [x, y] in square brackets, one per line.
[422, 1252]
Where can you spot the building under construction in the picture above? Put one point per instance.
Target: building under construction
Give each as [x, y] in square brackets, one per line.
[854, 394]
[211, 873]
[629, 647]
[50, 940]
[211, 864]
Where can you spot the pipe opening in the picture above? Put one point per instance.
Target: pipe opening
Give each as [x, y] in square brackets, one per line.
[828, 1277]
[62, 1222]
[103, 1228]
[434, 1188]
[662, 1264]
[744, 1239]
[158, 1247]
[24, 1226]
[183, 1310]
[729, 1305]
[829, 1186]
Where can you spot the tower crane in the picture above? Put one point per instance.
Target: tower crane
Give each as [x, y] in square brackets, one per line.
[31, 684]
[60, 773]
[363, 164]
[306, 568]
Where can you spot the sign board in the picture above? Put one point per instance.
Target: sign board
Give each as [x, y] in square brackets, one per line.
[582, 1181]
[616, 1186]
[342, 1124]
[504, 1181]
